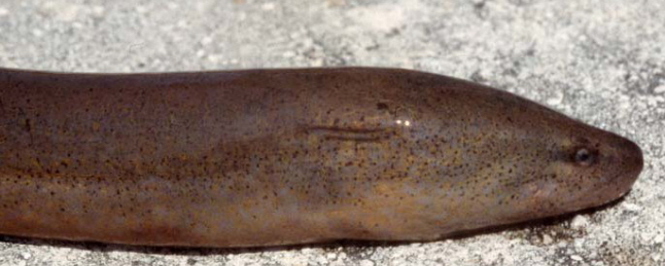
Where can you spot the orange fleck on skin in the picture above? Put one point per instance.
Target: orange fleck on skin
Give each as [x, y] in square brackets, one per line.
[276, 157]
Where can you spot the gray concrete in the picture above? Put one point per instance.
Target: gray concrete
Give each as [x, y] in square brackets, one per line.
[602, 61]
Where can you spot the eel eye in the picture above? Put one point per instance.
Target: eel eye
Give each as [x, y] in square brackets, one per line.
[584, 157]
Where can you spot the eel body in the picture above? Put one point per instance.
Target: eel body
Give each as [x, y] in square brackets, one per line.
[276, 157]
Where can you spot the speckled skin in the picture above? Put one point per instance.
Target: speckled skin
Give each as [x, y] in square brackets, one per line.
[273, 157]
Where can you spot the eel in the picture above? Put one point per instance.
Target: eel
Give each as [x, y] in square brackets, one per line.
[269, 157]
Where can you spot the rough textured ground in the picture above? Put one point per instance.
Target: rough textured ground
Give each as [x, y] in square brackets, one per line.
[602, 61]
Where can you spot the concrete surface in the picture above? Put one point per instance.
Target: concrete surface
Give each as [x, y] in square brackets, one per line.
[602, 61]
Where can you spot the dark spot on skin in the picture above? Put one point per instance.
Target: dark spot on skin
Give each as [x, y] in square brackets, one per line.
[26, 125]
[381, 106]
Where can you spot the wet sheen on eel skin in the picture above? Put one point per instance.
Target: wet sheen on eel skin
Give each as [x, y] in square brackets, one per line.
[275, 157]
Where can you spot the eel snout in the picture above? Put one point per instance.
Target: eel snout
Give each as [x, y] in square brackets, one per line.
[630, 163]
[613, 166]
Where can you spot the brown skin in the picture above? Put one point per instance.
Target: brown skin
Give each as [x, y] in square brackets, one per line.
[274, 157]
